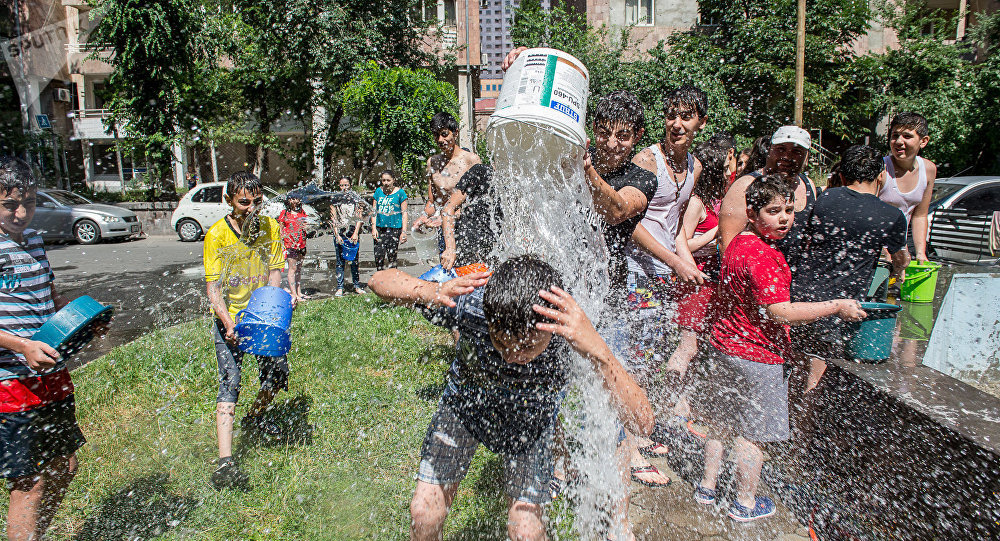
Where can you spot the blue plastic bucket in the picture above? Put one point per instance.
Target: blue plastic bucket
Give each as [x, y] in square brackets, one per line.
[871, 339]
[349, 250]
[438, 274]
[263, 327]
[71, 328]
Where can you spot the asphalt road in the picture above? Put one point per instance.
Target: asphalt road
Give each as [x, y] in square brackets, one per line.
[157, 282]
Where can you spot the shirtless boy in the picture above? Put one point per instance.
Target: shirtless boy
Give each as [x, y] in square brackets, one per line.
[444, 170]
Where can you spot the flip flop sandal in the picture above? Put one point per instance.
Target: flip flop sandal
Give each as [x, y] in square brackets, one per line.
[636, 470]
[654, 450]
[693, 430]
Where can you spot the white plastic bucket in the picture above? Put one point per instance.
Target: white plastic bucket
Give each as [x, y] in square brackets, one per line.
[546, 88]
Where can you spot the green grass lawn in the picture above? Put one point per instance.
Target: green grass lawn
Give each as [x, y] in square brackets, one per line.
[364, 377]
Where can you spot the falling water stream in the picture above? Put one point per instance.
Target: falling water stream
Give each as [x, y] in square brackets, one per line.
[548, 212]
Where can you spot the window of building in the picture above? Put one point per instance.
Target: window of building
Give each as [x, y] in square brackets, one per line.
[449, 12]
[639, 12]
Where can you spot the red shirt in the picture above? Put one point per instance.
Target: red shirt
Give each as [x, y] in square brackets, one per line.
[28, 393]
[754, 274]
[293, 231]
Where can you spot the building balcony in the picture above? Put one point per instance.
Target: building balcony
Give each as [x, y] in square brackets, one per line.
[88, 124]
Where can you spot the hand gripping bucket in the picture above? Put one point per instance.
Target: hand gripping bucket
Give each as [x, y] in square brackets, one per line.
[920, 282]
[871, 339]
[546, 88]
[349, 250]
[71, 328]
[263, 327]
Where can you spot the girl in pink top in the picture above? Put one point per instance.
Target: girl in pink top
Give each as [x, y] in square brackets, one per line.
[699, 229]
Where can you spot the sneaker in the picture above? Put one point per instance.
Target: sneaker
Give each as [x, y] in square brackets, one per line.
[339, 293]
[229, 475]
[704, 495]
[260, 424]
[763, 508]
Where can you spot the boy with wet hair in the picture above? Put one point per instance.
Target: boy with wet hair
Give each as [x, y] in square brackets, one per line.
[910, 178]
[39, 435]
[242, 252]
[505, 384]
[444, 170]
[744, 388]
[620, 189]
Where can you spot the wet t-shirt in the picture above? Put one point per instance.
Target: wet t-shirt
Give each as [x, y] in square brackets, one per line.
[754, 274]
[618, 236]
[843, 239]
[481, 216]
[242, 265]
[506, 406]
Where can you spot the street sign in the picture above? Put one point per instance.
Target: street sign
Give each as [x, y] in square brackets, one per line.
[43, 122]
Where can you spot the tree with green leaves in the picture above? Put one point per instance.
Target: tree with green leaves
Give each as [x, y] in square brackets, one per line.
[167, 78]
[392, 110]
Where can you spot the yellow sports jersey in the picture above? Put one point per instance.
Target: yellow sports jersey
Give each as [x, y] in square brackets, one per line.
[241, 268]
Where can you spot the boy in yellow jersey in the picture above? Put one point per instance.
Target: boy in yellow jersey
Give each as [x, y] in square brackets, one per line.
[243, 251]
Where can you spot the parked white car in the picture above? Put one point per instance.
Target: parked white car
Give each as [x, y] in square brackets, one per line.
[960, 213]
[202, 206]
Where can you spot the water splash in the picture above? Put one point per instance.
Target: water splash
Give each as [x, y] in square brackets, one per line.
[548, 211]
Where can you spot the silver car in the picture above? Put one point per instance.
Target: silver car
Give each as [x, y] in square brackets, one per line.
[63, 216]
[960, 212]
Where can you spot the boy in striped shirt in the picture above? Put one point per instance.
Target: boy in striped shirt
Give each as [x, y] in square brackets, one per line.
[39, 435]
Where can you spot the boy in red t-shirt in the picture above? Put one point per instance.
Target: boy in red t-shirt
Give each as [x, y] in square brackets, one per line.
[748, 391]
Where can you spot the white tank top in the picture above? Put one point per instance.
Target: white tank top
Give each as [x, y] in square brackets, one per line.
[662, 215]
[905, 202]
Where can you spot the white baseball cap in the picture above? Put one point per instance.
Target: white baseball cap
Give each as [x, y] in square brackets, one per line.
[792, 134]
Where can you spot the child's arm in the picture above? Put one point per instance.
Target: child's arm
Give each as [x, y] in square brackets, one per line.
[218, 304]
[801, 313]
[406, 218]
[693, 216]
[733, 212]
[38, 355]
[687, 271]
[918, 223]
[900, 260]
[572, 323]
[614, 206]
[455, 201]
[400, 288]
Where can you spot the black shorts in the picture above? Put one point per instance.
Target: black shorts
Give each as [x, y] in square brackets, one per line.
[30, 439]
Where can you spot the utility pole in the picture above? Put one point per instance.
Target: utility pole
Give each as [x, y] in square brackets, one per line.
[800, 62]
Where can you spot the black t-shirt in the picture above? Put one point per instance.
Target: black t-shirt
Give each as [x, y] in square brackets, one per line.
[506, 406]
[481, 216]
[842, 241]
[618, 236]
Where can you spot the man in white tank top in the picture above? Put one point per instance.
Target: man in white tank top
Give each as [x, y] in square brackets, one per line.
[910, 178]
[655, 250]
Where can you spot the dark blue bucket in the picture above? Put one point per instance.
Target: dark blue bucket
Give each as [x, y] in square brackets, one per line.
[349, 250]
[871, 339]
[71, 328]
[263, 327]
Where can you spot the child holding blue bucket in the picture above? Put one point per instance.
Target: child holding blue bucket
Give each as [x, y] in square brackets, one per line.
[243, 252]
[743, 385]
[39, 435]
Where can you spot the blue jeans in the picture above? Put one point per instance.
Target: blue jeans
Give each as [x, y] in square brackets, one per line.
[340, 269]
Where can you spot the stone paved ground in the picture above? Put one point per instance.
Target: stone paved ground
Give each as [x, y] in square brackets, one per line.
[671, 514]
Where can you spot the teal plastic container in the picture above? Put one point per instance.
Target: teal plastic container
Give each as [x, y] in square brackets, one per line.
[871, 339]
[263, 326]
[71, 328]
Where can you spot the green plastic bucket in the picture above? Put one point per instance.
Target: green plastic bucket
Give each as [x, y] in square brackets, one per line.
[871, 339]
[916, 321]
[920, 282]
